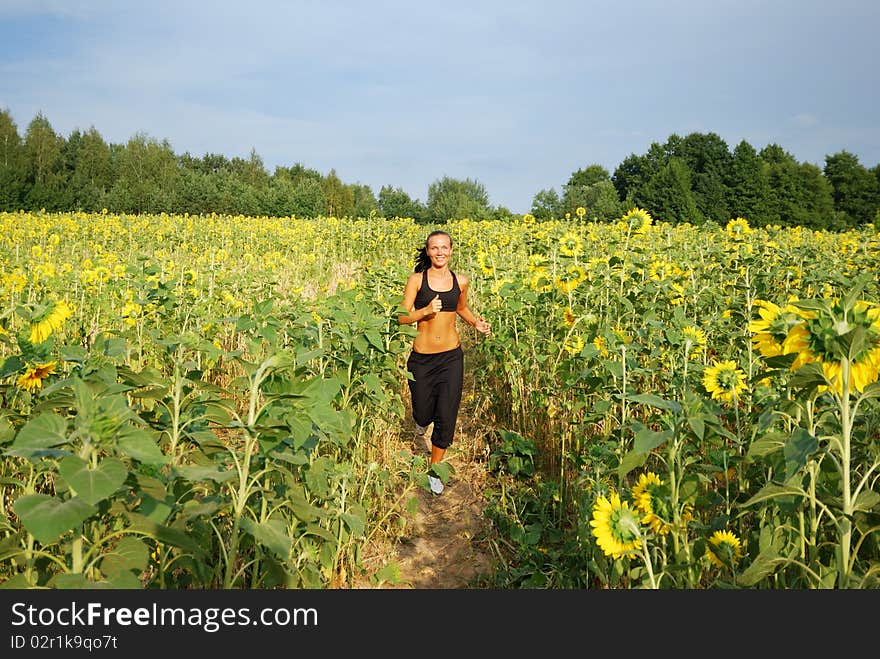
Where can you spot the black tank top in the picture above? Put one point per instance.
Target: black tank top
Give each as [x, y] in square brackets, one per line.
[448, 298]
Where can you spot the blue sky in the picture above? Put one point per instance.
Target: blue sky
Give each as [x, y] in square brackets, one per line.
[517, 95]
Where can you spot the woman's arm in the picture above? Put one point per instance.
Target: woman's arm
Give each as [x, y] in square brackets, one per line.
[409, 299]
[464, 311]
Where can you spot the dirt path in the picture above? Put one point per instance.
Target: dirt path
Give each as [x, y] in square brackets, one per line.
[445, 546]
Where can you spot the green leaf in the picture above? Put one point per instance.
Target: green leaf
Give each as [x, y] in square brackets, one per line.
[301, 506]
[698, 425]
[867, 501]
[375, 340]
[156, 510]
[354, 523]
[48, 518]
[764, 565]
[808, 375]
[769, 443]
[304, 355]
[128, 554]
[646, 440]
[140, 444]
[631, 461]
[271, 534]
[656, 401]
[150, 486]
[46, 430]
[69, 581]
[192, 509]
[197, 474]
[93, 485]
[813, 305]
[321, 532]
[871, 391]
[10, 365]
[799, 447]
[773, 491]
[388, 574]
[17, 582]
[164, 534]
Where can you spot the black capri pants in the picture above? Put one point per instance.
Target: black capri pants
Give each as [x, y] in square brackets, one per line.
[436, 391]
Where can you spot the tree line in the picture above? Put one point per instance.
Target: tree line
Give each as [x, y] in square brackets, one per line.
[698, 179]
[695, 179]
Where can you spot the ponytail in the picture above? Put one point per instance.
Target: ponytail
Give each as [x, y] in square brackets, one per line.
[423, 261]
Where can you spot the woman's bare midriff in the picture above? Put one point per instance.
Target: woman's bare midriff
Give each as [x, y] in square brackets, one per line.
[437, 334]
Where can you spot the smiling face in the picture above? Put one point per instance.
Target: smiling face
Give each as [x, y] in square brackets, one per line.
[439, 250]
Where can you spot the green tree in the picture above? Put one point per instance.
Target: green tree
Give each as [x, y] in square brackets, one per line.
[708, 158]
[44, 166]
[365, 203]
[587, 176]
[297, 173]
[633, 174]
[450, 198]
[748, 190]
[302, 197]
[396, 202]
[147, 176]
[580, 188]
[603, 204]
[90, 176]
[799, 193]
[12, 172]
[668, 196]
[339, 197]
[251, 170]
[547, 205]
[855, 189]
[817, 199]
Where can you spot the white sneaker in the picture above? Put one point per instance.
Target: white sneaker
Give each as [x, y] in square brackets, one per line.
[436, 484]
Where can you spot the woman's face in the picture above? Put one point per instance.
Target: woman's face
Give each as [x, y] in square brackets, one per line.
[439, 249]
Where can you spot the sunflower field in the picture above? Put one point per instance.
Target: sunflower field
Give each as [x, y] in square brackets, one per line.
[216, 401]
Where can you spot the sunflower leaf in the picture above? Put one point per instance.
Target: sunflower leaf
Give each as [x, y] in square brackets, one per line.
[799, 447]
[48, 518]
[764, 565]
[656, 401]
[774, 491]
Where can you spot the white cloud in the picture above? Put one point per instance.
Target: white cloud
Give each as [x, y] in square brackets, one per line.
[805, 120]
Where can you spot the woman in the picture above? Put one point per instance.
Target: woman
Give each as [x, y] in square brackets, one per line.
[435, 297]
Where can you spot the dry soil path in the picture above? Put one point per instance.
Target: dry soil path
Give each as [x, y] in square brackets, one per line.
[445, 545]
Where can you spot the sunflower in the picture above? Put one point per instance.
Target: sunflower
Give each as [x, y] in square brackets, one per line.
[580, 211]
[826, 337]
[694, 339]
[648, 499]
[615, 526]
[638, 220]
[574, 345]
[570, 279]
[738, 228]
[724, 380]
[50, 321]
[599, 343]
[571, 244]
[772, 329]
[33, 377]
[641, 491]
[724, 548]
[568, 316]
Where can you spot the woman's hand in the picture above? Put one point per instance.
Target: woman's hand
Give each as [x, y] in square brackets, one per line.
[436, 306]
[482, 326]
